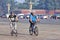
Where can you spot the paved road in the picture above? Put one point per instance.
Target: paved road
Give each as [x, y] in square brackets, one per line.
[46, 32]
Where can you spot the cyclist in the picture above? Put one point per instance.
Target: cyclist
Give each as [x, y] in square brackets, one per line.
[32, 19]
[13, 19]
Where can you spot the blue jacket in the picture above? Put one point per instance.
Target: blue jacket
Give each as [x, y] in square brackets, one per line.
[33, 18]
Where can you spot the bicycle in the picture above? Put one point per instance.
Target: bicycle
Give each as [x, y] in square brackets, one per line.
[33, 29]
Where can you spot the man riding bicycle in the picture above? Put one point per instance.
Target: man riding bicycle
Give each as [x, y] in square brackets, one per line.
[13, 19]
[32, 19]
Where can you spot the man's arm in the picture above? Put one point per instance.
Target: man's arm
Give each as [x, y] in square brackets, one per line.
[16, 18]
[30, 19]
[9, 18]
[38, 19]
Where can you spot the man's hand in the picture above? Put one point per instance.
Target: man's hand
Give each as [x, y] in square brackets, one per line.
[30, 20]
[17, 19]
[38, 20]
[9, 19]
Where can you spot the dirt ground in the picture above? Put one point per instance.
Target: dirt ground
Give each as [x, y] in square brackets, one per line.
[46, 32]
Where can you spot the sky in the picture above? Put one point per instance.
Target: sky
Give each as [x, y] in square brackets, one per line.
[20, 1]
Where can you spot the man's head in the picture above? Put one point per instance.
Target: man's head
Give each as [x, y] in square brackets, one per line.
[12, 13]
[32, 13]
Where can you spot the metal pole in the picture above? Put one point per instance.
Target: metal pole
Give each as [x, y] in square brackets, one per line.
[8, 8]
[30, 6]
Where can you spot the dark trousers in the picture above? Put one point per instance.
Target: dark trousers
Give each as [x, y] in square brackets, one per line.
[32, 25]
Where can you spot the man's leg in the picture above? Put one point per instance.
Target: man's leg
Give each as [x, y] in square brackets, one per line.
[31, 25]
[15, 27]
[12, 28]
[10, 24]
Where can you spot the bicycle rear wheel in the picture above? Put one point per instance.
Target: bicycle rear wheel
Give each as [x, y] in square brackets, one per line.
[30, 31]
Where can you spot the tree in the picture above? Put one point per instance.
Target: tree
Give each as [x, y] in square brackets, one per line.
[3, 5]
